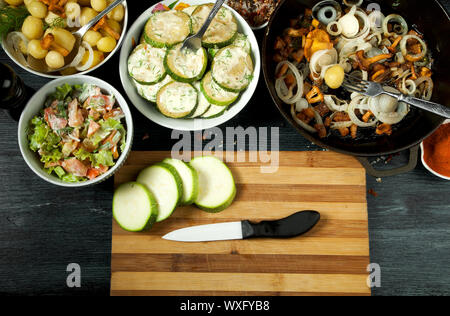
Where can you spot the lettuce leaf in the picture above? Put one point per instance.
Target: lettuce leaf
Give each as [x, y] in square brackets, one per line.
[104, 157]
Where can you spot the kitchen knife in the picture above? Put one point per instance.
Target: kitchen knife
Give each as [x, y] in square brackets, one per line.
[292, 226]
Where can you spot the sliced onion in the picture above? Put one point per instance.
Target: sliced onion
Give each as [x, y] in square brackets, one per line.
[338, 27]
[361, 74]
[322, 58]
[90, 59]
[357, 3]
[399, 58]
[428, 93]
[13, 40]
[339, 125]
[288, 98]
[322, 15]
[357, 103]
[404, 50]
[397, 18]
[375, 36]
[376, 19]
[335, 104]
[350, 23]
[394, 117]
[404, 86]
[300, 122]
[78, 58]
[365, 29]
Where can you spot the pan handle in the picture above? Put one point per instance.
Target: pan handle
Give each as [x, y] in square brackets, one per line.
[413, 159]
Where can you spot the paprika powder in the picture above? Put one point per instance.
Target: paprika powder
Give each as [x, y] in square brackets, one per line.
[437, 151]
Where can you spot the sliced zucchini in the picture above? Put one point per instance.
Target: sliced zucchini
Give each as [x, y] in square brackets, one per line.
[243, 42]
[223, 28]
[214, 111]
[167, 28]
[189, 178]
[212, 52]
[189, 10]
[217, 189]
[134, 207]
[177, 99]
[203, 104]
[149, 92]
[215, 94]
[185, 65]
[232, 69]
[146, 64]
[165, 183]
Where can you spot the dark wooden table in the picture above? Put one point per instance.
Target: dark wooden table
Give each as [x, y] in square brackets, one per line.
[43, 228]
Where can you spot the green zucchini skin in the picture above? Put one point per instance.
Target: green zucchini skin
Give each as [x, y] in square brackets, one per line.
[177, 177]
[161, 107]
[194, 177]
[153, 206]
[179, 78]
[160, 44]
[210, 98]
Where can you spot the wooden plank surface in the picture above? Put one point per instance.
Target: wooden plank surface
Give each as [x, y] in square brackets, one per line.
[331, 259]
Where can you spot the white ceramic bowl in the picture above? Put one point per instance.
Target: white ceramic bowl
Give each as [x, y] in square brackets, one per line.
[36, 104]
[425, 163]
[37, 73]
[150, 111]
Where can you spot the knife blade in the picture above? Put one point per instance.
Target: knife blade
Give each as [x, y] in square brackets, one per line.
[292, 226]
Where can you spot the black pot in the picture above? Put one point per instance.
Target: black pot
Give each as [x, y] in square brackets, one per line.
[428, 17]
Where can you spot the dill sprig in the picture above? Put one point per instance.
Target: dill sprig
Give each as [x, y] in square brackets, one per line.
[58, 22]
[11, 19]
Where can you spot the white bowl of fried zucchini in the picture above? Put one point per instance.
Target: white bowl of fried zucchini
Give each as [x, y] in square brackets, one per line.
[185, 90]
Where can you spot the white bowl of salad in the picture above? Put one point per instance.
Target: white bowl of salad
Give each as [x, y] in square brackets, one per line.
[76, 131]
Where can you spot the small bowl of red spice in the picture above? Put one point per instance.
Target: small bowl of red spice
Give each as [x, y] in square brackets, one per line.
[436, 152]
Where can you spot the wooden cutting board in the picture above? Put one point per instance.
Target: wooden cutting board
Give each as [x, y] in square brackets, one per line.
[329, 260]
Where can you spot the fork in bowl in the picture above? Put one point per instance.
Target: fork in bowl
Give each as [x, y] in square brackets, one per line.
[373, 89]
[194, 42]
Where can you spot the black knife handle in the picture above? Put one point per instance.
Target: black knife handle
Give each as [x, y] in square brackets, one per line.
[292, 226]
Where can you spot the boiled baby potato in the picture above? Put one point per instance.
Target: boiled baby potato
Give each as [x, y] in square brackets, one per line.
[92, 37]
[98, 5]
[14, 2]
[87, 14]
[117, 13]
[54, 60]
[33, 28]
[37, 9]
[35, 49]
[62, 37]
[106, 44]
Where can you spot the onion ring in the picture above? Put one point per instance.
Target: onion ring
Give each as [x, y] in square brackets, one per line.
[300, 122]
[289, 98]
[90, 60]
[397, 18]
[404, 50]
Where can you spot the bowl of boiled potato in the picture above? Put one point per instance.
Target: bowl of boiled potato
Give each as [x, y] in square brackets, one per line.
[43, 40]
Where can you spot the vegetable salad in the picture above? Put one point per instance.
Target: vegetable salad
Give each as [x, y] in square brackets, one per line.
[79, 134]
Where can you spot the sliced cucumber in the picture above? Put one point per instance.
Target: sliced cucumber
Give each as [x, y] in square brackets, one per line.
[177, 100]
[149, 92]
[223, 28]
[243, 42]
[185, 65]
[190, 10]
[134, 207]
[167, 28]
[232, 69]
[189, 178]
[215, 94]
[217, 189]
[165, 183]
[214, 111]
[203, 104]
[146, 64]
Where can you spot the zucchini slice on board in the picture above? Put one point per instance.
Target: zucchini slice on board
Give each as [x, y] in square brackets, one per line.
[185, 65]
[232, 69]
[149, 92]
[217, 189]
[215, 94]
[189, 178]
[177, 99]
[223, 28]
[214, 111]
[167, 28]
[146, 64]
[165, 183]
[203, 104]
[134, 207]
